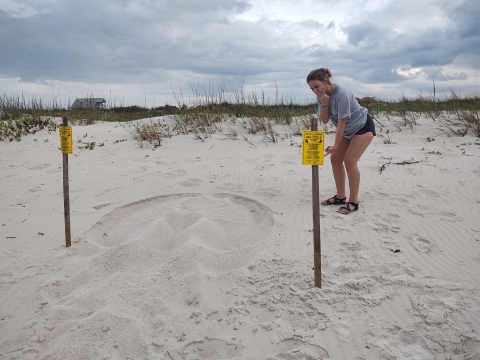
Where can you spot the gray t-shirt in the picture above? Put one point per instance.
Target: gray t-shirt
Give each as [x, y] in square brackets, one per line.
[342, 104]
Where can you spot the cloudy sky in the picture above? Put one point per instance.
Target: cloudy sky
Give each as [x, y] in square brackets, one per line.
[142, 51]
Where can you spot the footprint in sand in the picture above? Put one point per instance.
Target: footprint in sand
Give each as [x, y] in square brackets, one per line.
[264, 167]
[413, 345]
[34, 189]
[428, 192]
[212, 349]
[308, 352]
[39, 167]
[101, 206]
[439, 310]
[420, 243]
[176, 173]
[191, 182]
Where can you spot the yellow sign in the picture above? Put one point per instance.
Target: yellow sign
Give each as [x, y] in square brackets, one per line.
[313, 147]
[66, 142]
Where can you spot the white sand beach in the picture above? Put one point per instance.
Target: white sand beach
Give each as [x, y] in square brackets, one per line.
[204, 250]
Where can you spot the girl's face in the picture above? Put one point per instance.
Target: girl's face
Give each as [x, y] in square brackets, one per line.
[317, 86]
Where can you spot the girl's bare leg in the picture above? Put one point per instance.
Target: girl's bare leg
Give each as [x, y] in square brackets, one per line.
[358, 145]
[337, 159]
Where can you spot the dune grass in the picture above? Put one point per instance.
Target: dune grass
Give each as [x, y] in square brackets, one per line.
[457, 115]
[210, 108]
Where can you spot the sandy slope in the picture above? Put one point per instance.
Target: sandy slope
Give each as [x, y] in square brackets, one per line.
[203, 250]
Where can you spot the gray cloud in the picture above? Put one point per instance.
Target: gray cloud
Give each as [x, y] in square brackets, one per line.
[152, 42]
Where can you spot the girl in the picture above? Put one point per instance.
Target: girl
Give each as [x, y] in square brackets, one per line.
[355, 131]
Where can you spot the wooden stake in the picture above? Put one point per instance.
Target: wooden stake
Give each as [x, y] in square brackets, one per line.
[317, 259]
[66, 196]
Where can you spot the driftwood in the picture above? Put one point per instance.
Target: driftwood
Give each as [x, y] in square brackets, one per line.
[404, 162]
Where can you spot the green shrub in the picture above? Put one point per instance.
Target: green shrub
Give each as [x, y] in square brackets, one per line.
[14, 129]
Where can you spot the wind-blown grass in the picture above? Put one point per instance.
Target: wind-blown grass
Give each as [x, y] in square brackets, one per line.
[210, 108]
[16, 106]
[152, 133]
[457, 115]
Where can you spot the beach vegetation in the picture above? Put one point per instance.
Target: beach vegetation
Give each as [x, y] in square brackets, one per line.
[456, 115]
[388, 138]
[470, 119]
[208, 108]
[14, 129]
[89, 145]
[152, 132]
[231, 133]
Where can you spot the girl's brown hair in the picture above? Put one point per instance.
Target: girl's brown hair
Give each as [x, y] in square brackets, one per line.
[319, 74]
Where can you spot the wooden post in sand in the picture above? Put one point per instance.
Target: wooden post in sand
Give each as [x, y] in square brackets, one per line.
[66, 147]
[313, 154]
[317, 258]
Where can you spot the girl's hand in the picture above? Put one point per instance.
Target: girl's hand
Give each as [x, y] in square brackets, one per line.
[323, 97]
[329, 150]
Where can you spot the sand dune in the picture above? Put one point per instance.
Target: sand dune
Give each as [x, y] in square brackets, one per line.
[203, 250]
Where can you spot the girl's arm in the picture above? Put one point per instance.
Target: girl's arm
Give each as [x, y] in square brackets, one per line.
[324, 115]
[338, 136]
[323, 98]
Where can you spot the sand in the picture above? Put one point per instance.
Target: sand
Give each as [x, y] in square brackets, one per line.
[204, 249]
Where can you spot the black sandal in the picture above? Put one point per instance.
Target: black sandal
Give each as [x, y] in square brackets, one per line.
[336, 201]
[355, 208]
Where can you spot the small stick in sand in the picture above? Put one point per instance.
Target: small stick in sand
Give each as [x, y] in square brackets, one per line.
[404, 162]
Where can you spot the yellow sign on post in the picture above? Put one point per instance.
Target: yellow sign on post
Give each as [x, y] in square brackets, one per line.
[66, 141]
[313, 147]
